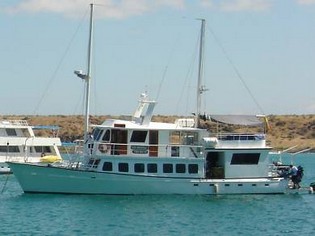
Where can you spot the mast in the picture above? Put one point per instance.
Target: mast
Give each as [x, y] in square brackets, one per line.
[200, 87]
[87, 78]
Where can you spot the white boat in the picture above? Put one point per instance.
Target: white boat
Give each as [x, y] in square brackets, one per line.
[144, 157]
[19, 143]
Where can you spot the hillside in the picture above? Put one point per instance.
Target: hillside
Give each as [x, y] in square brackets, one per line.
[286, 130]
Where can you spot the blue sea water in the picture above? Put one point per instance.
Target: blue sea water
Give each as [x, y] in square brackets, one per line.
[44, 214]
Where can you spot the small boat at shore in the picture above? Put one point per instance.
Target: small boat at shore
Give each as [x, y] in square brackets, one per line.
[139, 156]
[18, 143]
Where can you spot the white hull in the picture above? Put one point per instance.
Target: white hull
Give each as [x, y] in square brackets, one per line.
[40, 179]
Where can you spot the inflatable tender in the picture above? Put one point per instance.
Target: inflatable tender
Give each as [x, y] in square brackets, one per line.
[50, 159]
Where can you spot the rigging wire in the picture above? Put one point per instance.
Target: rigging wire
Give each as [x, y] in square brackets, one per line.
[188, 75]
[166, 67]
[235, 68]
[53, 77]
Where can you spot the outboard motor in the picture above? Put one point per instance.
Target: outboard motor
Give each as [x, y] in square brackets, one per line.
[312, 187]
[300, 174]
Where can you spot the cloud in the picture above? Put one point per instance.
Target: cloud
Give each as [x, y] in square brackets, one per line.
[237, 5]
[108, 8]
[120, 9]
[245, 5]
[306, 2]
[206, 3]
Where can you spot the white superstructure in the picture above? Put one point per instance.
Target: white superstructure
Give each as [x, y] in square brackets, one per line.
[18, 143]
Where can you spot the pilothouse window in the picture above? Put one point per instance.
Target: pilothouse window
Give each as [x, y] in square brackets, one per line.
[138, 136]
[97, 133]
[106, 137]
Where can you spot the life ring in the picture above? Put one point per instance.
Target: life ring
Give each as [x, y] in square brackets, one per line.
[103, 147]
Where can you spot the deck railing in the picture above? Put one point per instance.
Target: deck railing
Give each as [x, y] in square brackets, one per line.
[148, 150]
[14, 122]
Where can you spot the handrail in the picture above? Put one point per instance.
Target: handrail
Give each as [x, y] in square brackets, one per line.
[240, 137]
[122, 148]
[14, 122]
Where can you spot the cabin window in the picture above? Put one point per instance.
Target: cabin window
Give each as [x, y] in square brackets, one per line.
[26, 133]
[119, 137]
[139, 167]
[123, 167]
[138, 136]
[175, 151]
[96, 162]
[189, 138]
[106, 137]
[154, 137]
[152, 168]
[93, 162]
[167, 168]
[108, 166]
[175, 137]
[97, 134]
[41, 149]
[245, 159]
[192, 168]
[9, 149]
[180, 168]
[11, 132]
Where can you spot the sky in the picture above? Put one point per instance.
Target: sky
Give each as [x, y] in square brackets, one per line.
[259, 56]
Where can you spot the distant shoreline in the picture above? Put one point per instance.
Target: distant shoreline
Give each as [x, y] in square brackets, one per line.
[286, 130]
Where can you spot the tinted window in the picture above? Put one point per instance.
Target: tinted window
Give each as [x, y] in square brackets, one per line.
[168, 168]
[11, 132]
[139, 168]
[97, 133]
[96, 162]
[245, 159]
[175, 152]
[108, 166]
[9, 149]
[192, 168]
[180, 168]
[152, 168]
[138, 136]
[106, 136]
[41, 149]
[123, 167]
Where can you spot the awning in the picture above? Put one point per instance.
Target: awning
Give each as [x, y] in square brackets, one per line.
[248, 120]
[48, 127]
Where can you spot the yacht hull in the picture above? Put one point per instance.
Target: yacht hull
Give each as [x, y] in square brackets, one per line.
[35, 178]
